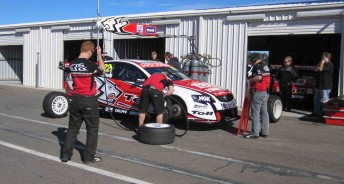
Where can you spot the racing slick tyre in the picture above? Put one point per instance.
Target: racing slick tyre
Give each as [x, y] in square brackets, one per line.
[154, 134]
[275, 108]
[56, 104]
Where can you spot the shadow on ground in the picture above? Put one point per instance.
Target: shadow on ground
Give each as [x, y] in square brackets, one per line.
[60, 133]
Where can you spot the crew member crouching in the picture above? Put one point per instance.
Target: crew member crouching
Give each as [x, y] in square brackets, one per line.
[152, 92]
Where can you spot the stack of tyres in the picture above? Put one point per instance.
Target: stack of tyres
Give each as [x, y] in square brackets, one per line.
[334, 111]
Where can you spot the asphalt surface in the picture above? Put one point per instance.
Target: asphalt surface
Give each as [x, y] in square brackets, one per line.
[298, 150]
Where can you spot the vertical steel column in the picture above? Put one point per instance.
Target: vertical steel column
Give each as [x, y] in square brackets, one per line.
[341, 65]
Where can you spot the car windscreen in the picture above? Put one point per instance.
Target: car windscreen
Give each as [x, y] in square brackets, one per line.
[171, 73]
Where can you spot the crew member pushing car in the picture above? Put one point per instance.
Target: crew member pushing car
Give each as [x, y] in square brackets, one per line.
[84, 105]
[152, 92]
[259, 83]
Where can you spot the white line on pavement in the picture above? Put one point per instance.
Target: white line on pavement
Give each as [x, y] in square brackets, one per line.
[74, 164]
[278, 169]
[56, 125]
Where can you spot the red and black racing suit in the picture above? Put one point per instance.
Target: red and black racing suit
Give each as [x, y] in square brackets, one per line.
[84, 107]
[259, 99]
[152, 91]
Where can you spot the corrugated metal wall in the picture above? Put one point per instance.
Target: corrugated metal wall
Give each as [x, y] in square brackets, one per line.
[30, 57]
[341, 65]
[220, 39]
[43, 49]
[81, 32]
[180, 46]
[228, 42]
[51, 54]
[11, 40]
[8, 37]
[300, 26]
[11, 63]
[108, 43]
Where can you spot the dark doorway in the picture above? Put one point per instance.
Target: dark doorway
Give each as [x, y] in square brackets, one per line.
[128, 48]
[72, 49]
[305, 50]
[11, 63]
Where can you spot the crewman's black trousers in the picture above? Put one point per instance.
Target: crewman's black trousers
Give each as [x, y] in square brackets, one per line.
[83, 108]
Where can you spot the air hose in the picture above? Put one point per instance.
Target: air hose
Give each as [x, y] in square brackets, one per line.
[108, 105]
[186, 117]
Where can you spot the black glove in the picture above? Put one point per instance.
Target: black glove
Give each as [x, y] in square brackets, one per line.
[61, 66]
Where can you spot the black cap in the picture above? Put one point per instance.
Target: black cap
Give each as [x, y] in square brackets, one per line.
[254, 57]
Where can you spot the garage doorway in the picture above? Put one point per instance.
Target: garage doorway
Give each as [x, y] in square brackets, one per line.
[305, 50]
[128, 48]
[72, 49]
[11, 63]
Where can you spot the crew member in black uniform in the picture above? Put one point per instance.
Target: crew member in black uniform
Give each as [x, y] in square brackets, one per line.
[286, 75]
[84, 105]
[152, 92]
[173, 61]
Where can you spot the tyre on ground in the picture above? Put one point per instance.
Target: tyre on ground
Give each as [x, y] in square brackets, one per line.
[56, 104]
[155, 134]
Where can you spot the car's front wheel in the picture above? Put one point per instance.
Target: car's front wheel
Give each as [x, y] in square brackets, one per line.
[56, 104]
[178, 109]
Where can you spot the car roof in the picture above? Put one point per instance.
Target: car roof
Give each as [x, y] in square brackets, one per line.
[141, 63]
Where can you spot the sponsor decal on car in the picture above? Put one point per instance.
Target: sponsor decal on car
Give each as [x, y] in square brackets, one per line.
[228, 105]
[112, 91]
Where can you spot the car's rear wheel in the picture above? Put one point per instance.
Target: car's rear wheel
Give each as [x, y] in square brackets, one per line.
[275, 108]
[56, 104]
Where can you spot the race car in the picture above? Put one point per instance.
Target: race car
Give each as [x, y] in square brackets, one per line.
[304, 87]
[119, 90]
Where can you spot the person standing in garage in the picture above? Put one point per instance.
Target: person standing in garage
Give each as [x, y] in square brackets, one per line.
[84, 105]
[173, 61]
[154, 56]
[259, 83]
[324, 84]
[286, 75]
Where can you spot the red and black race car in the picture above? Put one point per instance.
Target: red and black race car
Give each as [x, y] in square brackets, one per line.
[119, 91]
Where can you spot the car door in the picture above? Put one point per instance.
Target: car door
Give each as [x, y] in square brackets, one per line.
[128, 78]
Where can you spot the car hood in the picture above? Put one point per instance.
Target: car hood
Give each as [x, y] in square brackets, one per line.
[202, 87]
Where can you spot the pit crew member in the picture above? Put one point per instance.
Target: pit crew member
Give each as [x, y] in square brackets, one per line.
[259, 83]
[84, 105]
[286, 75]
[152, 92]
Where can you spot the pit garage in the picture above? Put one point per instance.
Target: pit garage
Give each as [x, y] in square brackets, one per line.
[302, 30]
[11, 63]
[128, 48]
[304, 49]
[123, 48]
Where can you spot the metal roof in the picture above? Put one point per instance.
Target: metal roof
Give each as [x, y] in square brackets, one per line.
[184, 13]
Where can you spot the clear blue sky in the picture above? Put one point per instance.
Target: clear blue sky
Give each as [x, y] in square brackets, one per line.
[26, 11]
